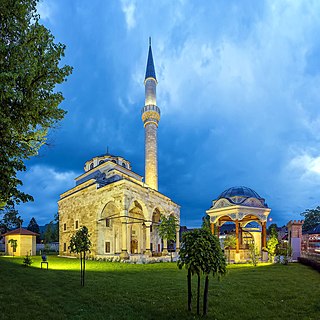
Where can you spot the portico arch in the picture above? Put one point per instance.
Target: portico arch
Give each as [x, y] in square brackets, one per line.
[109, 230]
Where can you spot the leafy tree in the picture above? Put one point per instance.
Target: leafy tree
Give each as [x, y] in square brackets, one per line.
[29, 72]
[80, 244]
[49, 234]
[254, 253]
[311, 218]
[167, 228]
[56, 228]
[11, 219]
[201, 254]
[206, 222]
[14, 245]
[230, 241]
[272, 229]
[272, 245]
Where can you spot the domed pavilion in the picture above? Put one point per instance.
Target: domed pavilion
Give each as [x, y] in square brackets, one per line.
[243, 207]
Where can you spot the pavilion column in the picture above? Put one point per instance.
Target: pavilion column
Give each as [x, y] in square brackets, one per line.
[124, 236]
[218, 231]
[148, 225]
[212, 227]
[237, 236]
[264, 235]
[177, 238]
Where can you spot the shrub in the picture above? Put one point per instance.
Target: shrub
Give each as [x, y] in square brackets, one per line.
[309, 262]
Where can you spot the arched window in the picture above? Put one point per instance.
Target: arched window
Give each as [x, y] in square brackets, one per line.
[124, 165]
[101, 161]
[91, 166]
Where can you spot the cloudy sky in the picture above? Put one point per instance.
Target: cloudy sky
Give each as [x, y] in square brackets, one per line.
[239, 93]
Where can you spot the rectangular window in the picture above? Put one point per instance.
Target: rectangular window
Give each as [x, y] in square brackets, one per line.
[77, 224]
[150, 228]
[107, 247]
[64, 247]
[107, 222]
[64, 227]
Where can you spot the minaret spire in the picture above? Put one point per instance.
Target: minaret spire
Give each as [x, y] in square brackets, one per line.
[150, 71]
[150, 118]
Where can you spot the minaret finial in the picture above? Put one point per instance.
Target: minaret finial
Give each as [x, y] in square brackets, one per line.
[149, 41]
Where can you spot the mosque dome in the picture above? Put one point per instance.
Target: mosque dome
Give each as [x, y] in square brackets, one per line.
[239, 195]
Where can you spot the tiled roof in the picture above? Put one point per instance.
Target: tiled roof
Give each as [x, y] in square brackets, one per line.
[20, 231]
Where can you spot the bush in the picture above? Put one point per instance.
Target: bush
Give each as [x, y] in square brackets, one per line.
[309, 262]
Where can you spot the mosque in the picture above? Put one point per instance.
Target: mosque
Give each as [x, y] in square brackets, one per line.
[120, 209]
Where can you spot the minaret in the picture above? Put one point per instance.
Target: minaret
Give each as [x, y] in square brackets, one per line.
[150, 118]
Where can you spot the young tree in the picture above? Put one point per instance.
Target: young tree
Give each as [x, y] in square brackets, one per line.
[80, 244]
[167, 228]
[14, 245]
[311, 218]
[29, 102]
[201, 254]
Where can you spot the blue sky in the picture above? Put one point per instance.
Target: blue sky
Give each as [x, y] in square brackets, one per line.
[238, 92]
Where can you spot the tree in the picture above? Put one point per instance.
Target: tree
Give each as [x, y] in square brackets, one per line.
[272, 246]
[206, 222]
[33, 226]
[56, 228]
[14, 245]
[230, 241]
[201, 254]
[11, 219]
[80, 244]
[167, 228]
[272, 229]
[311, 218]
[49, 233]
[29, 72]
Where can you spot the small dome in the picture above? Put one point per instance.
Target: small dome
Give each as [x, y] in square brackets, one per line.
[243, 192]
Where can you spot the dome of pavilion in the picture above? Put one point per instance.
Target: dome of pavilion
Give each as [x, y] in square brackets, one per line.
[238, 195]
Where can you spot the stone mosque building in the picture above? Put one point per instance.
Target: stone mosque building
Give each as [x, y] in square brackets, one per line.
[119, 208]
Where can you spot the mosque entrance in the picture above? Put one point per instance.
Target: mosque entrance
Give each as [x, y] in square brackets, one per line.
[134, 246]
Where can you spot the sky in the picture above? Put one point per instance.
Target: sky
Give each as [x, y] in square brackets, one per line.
[238, 89]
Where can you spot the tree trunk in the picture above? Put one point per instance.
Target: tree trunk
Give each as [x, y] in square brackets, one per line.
[189, 290]
[84, 267]
[198, 295]
[81, 268]
[205, 295]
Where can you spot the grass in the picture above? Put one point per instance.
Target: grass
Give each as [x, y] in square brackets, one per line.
[154, 291]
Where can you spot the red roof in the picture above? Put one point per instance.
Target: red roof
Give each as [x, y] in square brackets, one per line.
[21, 231]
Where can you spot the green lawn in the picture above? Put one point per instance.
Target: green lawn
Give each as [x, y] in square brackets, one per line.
[154, 291]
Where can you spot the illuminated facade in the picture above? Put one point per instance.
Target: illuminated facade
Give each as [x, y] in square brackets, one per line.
[119, 209]
[241, 206]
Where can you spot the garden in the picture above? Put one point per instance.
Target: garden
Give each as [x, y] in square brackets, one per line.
[153, 291]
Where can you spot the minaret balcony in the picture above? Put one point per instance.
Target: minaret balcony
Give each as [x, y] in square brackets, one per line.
[150, 107]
